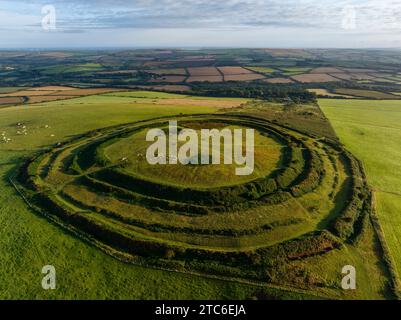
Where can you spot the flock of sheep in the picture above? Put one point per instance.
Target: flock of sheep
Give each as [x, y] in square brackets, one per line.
[22, 130]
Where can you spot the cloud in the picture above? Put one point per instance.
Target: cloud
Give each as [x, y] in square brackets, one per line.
[101, 14]
[79, 16]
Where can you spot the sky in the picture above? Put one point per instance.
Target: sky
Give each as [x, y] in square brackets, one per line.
[200, 23]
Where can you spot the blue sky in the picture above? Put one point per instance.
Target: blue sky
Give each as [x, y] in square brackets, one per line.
[202, 23]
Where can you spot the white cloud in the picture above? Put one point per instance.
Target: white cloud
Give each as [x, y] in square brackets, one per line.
[227, 19]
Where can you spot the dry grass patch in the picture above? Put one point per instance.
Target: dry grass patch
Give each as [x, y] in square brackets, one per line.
[202, 103]
[172, 88]
[51, 88]
[205, 78]
[27, 93]
[204, 71]
[326, 70]
[51, 93]
[40, 99]
[279, 80]
[10, 100]
[362, 76]
[234, 70]
[314, 77]
[371, 94]
[87, 92]
[343, 76]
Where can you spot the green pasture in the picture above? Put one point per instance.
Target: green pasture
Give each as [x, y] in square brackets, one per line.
[267, 158]
[29, 242]
[371, 130]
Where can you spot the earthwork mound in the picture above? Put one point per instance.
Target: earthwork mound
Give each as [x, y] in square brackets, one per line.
[306, 197]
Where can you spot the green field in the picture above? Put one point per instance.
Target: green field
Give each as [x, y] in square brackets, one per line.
[267, 158]
[293, 71]
[30, 241]
[372, 131]
[262, 69]
[83, 271]
[85, 67]
[150, 96]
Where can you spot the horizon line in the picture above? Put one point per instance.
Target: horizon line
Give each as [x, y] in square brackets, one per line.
[188, 48]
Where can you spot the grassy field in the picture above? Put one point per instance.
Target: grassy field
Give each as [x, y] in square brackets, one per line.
[372, 131]
[29, 242]
[267, 159]
[262, 69]
[162, 97]
[313, 77]
[295, 70]
[73, 68]
[83, 272]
